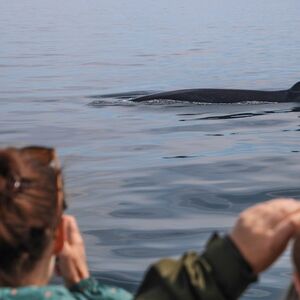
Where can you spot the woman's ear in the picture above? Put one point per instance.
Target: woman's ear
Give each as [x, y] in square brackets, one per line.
[59, 238]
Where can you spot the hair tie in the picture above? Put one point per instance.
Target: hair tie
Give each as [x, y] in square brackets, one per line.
[14, 185]
[17, 185]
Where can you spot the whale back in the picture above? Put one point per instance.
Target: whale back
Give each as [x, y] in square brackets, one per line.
[226, 95]
[294, 92]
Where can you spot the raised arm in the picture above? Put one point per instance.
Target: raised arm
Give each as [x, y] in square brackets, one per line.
[229, 264]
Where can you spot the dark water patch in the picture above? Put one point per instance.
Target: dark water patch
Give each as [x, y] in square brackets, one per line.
[146, 252]
[201, 200]
[240, 200]
[179, 156]
[119, 237]
[46, 100]
[225, 186]
[237, 115]
[190, 198]
[218, 127]
[288, 192]
[146, 55]
[112, 64]
[143, 212]
[214, 134]
[189, 114]
[233, 116]
[291, 130]
[146, 182]
[21, 66]
[10, 131]
[188, 128]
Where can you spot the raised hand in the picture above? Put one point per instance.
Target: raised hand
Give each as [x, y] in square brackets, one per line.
[72, 259]
[263, 231]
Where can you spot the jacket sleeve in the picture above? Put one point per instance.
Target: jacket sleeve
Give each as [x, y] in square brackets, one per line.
[91, 289]
[219, 273]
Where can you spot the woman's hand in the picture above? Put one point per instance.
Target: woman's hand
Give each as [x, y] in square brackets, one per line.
[263, 231]
[72, 263]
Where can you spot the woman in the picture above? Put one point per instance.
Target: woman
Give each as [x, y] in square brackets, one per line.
[34, 231]
[34, 234]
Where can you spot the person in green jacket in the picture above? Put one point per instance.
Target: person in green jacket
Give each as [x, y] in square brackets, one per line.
[36, 237]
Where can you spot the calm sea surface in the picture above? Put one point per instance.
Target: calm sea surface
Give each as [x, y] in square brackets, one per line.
[148, 181]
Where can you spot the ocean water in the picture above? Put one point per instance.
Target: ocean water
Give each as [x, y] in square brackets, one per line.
[150, 181]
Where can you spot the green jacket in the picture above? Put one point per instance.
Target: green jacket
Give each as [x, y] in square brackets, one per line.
[220, 273]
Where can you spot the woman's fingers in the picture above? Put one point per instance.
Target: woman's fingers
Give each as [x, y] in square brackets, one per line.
[72, 260]
[71, 230]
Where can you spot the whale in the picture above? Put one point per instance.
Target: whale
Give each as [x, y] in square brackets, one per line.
[225, 95]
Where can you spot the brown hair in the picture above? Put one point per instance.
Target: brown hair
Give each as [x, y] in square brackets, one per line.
[31, 203]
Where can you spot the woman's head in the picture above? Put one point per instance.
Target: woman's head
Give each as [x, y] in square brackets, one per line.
[31, 205]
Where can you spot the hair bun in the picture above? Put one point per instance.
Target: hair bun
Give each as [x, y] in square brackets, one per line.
[31, 205]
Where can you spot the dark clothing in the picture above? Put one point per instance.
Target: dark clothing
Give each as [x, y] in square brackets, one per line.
[220, 273]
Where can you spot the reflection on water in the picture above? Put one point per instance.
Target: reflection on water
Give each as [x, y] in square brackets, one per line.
[147, 181]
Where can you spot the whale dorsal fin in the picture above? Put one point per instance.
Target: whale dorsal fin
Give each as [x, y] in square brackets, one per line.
[295, 87]
[294, 93]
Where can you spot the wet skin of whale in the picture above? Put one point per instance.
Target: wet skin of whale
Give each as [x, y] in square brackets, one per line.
[226, 95]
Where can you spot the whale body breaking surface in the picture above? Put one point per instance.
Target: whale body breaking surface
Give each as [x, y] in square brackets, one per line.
[225, 95]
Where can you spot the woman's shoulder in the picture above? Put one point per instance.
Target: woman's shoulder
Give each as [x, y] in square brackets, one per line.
[88, 289]
[93, 290]
[49, 292]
